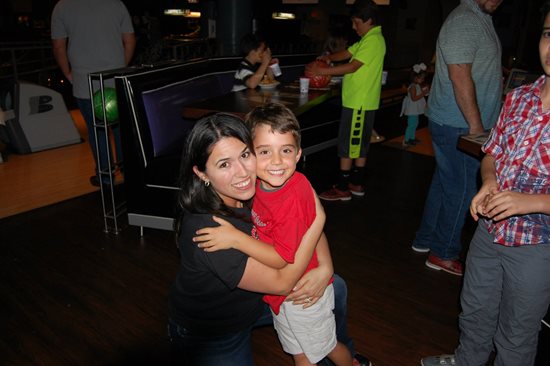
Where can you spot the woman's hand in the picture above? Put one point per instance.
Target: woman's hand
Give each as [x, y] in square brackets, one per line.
[225, 236]
[310, 288]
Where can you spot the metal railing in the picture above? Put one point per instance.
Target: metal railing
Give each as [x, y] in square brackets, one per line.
[26, 60]
[34, 61]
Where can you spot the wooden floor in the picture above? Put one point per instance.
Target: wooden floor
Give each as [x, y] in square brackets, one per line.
[39, 179]
[72, 295]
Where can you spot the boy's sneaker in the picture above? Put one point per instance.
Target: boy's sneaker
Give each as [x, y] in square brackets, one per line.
[334, 194]
[360, 360]
[441, 360]
[420, 249]
[357, 189]
[451, 266]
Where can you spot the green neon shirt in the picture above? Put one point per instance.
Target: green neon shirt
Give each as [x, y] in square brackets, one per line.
[361, 89]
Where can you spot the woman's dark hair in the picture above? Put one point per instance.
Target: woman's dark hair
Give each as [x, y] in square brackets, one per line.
[544, 10]
[365, 10]
[194, 195]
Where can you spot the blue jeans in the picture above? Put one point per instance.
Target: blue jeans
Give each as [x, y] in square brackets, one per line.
[453, 186]
[235, 348]
[85, 106]
[505, 295]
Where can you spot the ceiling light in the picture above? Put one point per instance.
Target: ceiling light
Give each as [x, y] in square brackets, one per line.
[183, 13]
[284, 16]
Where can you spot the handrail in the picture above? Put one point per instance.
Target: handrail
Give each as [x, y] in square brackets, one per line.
[18, 59]
[25, 59]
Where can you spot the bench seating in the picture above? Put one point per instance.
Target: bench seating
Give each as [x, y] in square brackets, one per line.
[151, 100]
[153, 130]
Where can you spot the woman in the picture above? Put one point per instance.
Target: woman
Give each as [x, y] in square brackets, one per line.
[216, 299]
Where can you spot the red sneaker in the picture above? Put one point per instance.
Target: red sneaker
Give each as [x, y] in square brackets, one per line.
[357, 189]
[451, 266]
[334, 194]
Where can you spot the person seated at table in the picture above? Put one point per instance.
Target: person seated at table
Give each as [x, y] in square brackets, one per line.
[254, 66]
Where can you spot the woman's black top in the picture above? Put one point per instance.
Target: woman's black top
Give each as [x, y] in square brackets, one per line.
[204, 298]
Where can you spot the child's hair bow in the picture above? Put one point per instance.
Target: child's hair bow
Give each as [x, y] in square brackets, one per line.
[419, 67]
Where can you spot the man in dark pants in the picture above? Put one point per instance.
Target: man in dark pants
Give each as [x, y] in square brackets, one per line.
[91, 36]
[465, 99]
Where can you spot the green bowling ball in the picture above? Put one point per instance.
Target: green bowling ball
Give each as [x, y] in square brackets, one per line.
[111, 107]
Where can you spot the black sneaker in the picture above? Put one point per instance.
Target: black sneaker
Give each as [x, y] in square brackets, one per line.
[360, 360]
[94, 180]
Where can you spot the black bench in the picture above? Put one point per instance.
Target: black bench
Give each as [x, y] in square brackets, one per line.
[151, 100]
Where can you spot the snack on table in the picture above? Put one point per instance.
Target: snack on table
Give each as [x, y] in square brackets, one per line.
[267, 80]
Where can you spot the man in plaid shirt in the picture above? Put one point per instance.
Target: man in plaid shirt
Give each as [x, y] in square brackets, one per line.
[506, 288]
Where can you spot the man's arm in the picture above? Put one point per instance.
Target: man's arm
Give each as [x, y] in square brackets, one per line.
[129, 43]
[59, 47]
[465, 95]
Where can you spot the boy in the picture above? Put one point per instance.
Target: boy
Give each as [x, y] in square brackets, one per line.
[282, 211]
[506, 288]
[361, 89]
[255, 64]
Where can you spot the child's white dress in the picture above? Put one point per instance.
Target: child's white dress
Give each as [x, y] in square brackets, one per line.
[413, 108]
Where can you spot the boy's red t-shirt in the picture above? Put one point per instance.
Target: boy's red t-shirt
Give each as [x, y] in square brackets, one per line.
[281, 218]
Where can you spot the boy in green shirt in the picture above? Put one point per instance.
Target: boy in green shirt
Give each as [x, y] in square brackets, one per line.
[361, 89]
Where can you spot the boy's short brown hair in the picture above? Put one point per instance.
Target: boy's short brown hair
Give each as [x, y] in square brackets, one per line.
[278, 117]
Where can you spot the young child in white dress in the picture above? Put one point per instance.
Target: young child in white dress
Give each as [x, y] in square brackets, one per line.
[414, 103]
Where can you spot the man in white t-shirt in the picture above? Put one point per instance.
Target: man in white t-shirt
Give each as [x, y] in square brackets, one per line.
[91, 36]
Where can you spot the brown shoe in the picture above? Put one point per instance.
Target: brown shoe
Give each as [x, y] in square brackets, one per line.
[357, 189]
[451, 266]
[334, 194]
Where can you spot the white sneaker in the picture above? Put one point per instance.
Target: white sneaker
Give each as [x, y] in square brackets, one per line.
[420, 249]
[441, 360]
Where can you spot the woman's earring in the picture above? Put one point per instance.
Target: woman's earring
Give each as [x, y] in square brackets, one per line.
[207, 183]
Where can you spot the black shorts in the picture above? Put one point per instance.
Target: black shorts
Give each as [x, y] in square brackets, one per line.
[354, 133]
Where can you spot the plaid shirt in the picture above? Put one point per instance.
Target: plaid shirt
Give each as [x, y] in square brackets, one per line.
[520, 144]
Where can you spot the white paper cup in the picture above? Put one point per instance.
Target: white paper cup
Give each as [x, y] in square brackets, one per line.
[304, 85]
[384, 77]
[276, 69]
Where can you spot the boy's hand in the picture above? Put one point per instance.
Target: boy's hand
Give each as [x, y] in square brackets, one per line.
[225, 236]
[266, 57]
[504, 204]
[480, 200]
[313, 69]
[324, 58]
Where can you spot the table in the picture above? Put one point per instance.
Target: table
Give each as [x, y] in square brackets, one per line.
[242, 102]
[472, 144]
